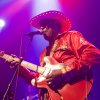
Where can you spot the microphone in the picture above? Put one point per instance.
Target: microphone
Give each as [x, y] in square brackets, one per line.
[34, 33]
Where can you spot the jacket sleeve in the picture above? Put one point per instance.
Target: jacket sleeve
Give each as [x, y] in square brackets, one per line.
[85, 53]
[79, 51]
[27, 75]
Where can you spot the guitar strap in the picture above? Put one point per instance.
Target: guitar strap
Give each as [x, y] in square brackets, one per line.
[43, 94]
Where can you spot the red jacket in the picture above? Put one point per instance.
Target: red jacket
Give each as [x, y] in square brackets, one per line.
[74, 50]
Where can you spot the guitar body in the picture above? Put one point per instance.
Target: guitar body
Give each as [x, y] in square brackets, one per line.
[77, 91]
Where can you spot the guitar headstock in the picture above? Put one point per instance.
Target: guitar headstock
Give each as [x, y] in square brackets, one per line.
[1, 53]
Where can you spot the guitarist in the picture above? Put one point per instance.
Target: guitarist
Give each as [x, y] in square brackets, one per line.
[67, 47]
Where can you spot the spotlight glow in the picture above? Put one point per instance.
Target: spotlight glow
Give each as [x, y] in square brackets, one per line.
[40, 6]
[14, 7]
[2, 22]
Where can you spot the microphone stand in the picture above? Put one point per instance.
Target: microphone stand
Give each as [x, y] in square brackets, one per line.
[10, 95]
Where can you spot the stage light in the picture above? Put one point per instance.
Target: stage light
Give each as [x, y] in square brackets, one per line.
[2, 22]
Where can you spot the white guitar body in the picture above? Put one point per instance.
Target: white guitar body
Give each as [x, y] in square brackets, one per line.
[50, 65]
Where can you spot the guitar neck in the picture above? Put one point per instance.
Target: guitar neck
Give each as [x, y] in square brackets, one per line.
[32, 66]
[25, 64]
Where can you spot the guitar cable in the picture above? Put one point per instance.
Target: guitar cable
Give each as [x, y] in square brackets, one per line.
[9, 86]
[20, 55]
[15, 75]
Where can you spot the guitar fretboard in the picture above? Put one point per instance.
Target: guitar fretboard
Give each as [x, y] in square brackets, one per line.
[25, 64]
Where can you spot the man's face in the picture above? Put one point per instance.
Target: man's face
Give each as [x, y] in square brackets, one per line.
[47, 32]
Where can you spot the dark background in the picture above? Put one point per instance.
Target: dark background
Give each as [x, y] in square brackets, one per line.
[85, 17]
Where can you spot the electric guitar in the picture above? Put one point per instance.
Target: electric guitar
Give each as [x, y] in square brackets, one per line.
[77, 91]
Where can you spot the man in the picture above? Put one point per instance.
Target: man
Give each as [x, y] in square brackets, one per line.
[68, 47]
[71, 50]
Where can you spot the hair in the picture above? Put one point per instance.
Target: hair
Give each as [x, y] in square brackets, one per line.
[54, 24]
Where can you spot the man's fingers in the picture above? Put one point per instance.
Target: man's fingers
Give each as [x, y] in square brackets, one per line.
[14, 56]
[1, 53]
[33, 82]
[49, 76]
[49, 79]
[36, 83]
[13, 62]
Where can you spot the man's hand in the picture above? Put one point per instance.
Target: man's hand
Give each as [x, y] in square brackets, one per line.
[53, 68]
[1, 53]
[54, 81]
[12, 61]
[57, 73]
[53, 74]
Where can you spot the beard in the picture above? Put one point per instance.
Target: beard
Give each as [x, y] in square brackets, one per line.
[50, 35]
[46, 37]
